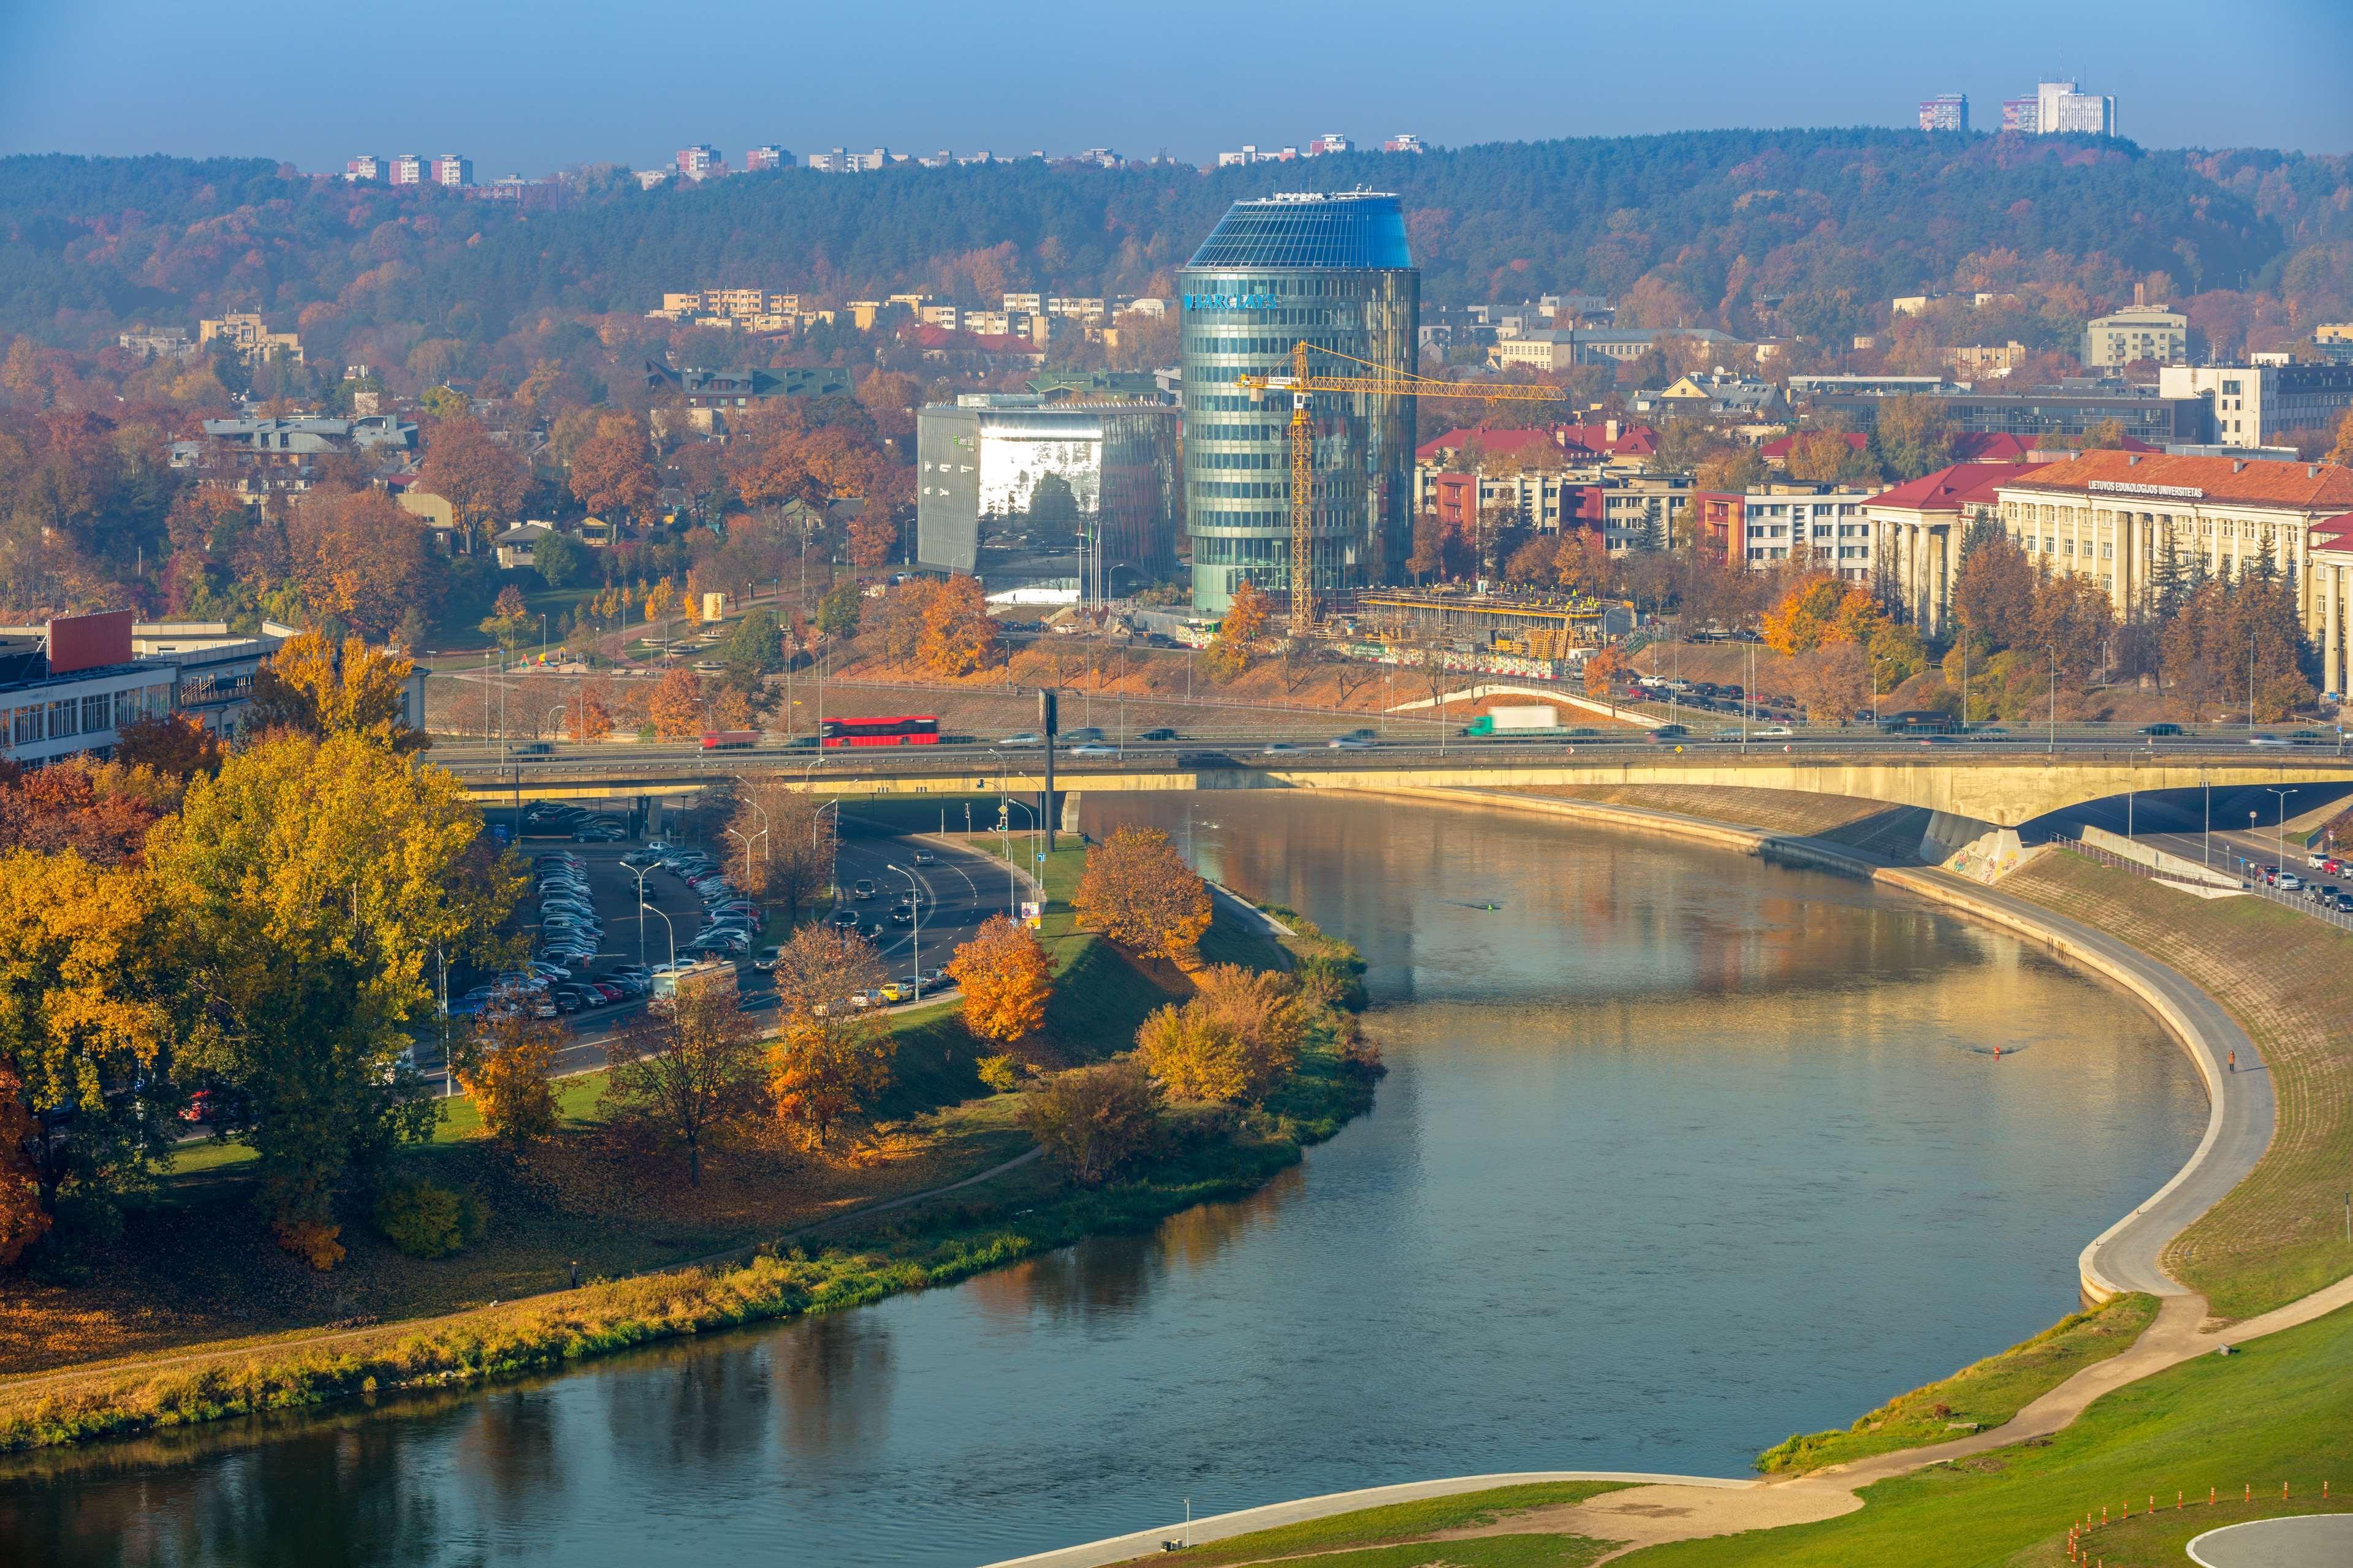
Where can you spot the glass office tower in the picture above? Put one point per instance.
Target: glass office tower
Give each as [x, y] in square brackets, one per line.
[1332, 270]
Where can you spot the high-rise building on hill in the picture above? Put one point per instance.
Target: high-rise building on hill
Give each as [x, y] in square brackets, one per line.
[1333, 270]
[1945, 112]
[2055, 107]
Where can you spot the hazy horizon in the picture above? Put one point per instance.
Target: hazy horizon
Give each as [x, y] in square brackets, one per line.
[531, 88]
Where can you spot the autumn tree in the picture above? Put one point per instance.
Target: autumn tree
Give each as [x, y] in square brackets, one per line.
[1137, 892]
[504, 1063]
[508, 624]
[959, 636]
[873, 535]
[795, 838]
[1094, 1121]
[83, 1014]
[676, 706]
[2340, 450]
[309, 887]
[898, 619]
[1833, 682]
[1005, 979]
[1602, 669]
[1821, 456]
[688, 1069]
[361, 559]
[611, 470]
[172, 744]
[1238, 630]
[1236, 1039]
[830, 1057]
[588, 713]
[1912, 436]
[100, 811]
[480, 478]
[314, 689]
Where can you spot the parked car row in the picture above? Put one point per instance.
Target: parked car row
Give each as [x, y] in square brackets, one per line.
[558, 818]
[730, 920]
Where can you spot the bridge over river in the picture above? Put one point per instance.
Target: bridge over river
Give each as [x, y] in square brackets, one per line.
[2002, 783]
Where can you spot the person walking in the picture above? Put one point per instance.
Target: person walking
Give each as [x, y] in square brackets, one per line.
[2235, 1060]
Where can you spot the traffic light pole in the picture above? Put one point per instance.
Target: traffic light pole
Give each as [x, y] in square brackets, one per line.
[1048, 725]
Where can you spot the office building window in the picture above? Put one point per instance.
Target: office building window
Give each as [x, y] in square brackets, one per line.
[61, 718]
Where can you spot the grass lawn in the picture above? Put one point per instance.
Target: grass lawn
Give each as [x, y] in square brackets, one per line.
[2279, 1411]
[1984, 1394]
[2288, 980]
[1372, 1535]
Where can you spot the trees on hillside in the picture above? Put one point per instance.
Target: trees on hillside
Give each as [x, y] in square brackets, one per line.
[830, 1057]
[482, 479]
[688, 1069]
[314, 689]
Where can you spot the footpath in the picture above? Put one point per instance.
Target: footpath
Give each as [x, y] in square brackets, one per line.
[2126, 1256]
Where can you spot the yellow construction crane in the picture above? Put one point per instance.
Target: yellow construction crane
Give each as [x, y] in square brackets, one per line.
[1385, 382]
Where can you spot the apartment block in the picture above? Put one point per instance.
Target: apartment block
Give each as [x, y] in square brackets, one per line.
[408, 168]
[250, 336]
[367, 168]
[2136, 332]
[453, 171]
[1945, 112]
[700, 162]
[765, 157]
[2262, 404]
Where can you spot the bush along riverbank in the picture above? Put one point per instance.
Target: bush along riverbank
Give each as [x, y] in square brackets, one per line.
[1180, 1153]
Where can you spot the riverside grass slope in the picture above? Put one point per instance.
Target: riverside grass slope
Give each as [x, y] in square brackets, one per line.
[1208, 1155]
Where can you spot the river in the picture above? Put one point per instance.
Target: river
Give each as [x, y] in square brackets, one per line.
[1679, 1152]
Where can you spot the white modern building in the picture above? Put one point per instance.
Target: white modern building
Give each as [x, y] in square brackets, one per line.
[2256, 405]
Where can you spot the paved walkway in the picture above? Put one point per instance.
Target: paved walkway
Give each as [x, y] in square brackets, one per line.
[2311, 1541]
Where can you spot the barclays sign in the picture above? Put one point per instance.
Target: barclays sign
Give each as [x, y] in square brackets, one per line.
[1230, 302]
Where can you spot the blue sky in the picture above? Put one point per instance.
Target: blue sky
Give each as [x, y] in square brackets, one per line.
[532, 85]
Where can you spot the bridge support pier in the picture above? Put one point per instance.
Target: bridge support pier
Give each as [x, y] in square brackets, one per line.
[1070, 810]
[1949, 834]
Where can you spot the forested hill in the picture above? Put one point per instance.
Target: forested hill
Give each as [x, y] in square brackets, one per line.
[1704, 221]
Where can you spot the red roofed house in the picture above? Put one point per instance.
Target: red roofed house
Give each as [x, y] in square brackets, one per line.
[1918, 528]
[2110, 514]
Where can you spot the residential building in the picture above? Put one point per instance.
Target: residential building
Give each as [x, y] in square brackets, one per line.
[1028, 304]
[1102, 157]
[1272, 265]
[1403, 141]
[1918, 527]
[768, 155]
[1330, 142]
[2329, 611]
[649, 179]
[367, 168]
[2136, 332]
[515, 545]
[1557, 349]
[1983, 359]
[986, 462]
[70, 685]
[2113, 516]
[1812, 386]
[158, 343]
[2333, 341]
[408, 168]
[840, 161]
[1759, 528]
[250, 336]
[711, 395]
[2057, 107]
[453, 171]
[1945, 112]
[1702, 396]
[280, 453]
[2257, 404]
[513, 187]
[700, 162]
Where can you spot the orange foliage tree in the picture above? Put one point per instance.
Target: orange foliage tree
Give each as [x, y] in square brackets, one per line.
[675, 707]
[829, 1056]
[611, 471]
[503, 1064]
[1006, 980]
[1137, 892]
[591, 719]
[959, 635]
[23, 1220]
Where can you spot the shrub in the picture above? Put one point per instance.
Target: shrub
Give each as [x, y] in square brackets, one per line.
[425, 1219]
[999, 1073]
[1094, 1120]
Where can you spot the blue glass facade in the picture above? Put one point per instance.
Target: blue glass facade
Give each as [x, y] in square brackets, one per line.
[1334, 271]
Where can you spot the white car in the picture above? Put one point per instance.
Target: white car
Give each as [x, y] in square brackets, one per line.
[1094, 748]
[1775, 733]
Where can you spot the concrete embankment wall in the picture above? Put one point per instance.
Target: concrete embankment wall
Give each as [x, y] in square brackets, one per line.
[2170, 998]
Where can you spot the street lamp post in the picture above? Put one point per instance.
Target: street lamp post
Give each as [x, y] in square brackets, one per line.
[2283, 794]
[746, 843]
[639, 871]
[642, 908]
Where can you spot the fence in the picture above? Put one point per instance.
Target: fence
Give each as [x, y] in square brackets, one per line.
[2080, 1548]
[2301, 900]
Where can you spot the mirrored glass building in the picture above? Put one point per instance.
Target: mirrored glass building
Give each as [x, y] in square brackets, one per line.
[1334, 271]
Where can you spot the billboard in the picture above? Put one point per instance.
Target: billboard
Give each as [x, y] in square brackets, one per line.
[90, 642]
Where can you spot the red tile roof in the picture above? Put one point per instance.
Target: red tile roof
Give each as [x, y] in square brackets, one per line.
[1949, 490]
[1633, 441]
[2332, 533]
[2300, 487]
[1505, 443]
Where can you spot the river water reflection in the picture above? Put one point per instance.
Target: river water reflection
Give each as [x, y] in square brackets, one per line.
[1679, 1152]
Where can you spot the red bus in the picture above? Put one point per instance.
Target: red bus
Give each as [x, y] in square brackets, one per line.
[909, 729]
[731, 741]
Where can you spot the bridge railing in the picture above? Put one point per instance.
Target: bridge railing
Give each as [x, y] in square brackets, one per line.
[2301, 900]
